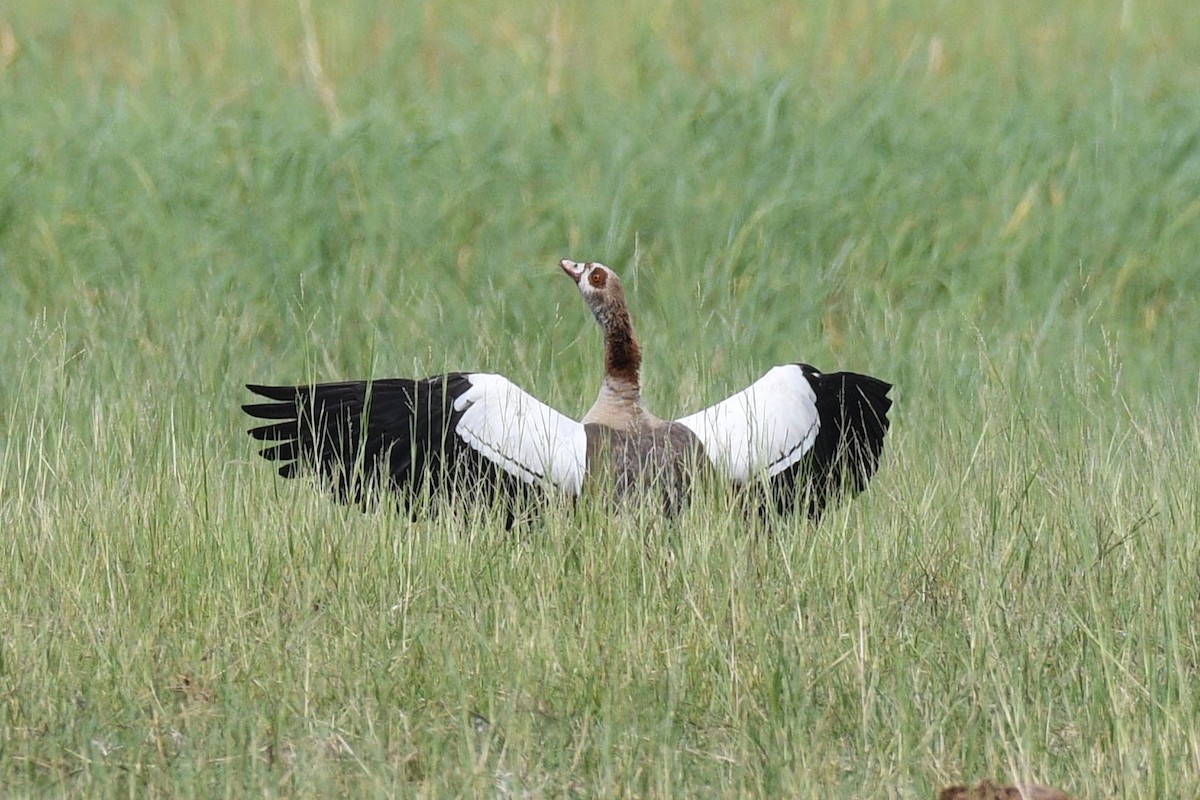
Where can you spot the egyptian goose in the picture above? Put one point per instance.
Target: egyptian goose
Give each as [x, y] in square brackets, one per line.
[986, 790]
[804, 436]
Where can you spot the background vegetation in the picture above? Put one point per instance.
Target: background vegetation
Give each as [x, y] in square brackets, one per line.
[996, 207]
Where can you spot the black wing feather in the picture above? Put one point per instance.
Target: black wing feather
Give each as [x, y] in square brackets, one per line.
[363, 436]
[853, 410]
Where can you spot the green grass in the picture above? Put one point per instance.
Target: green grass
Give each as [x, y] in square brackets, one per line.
[998, 210]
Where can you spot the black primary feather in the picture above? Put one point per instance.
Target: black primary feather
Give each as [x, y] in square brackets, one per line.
[853, 410]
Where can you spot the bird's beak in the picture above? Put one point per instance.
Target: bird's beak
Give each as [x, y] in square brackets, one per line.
[572, 269]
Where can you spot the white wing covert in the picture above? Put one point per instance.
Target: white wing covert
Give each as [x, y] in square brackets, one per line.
[763, 429]
[522, 435]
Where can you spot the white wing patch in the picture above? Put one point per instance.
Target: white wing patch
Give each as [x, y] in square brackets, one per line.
[763, 429]
[523, 435]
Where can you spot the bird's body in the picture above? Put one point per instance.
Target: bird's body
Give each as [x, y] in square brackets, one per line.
[805, 436]
[663, 457]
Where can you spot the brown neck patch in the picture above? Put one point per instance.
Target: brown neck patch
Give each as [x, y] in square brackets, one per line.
[622, 355]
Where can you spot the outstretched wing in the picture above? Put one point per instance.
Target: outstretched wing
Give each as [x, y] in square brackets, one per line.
[808, 434]
[448, 433]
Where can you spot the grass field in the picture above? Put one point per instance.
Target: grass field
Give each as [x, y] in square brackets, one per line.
[996, 208]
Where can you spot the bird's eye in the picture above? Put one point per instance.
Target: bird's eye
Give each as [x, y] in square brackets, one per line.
[598, 278]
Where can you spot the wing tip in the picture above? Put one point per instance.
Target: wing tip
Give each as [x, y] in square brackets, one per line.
[278, 393]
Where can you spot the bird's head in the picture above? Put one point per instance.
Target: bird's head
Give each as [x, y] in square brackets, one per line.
[600, 288]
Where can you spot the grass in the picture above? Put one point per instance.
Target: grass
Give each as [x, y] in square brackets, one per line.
[997, 210]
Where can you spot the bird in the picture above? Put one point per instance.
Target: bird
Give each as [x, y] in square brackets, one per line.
[795, 438]
[987, 790]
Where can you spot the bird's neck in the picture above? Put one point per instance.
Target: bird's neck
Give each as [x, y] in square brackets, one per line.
[619, 404]
[622, 355]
